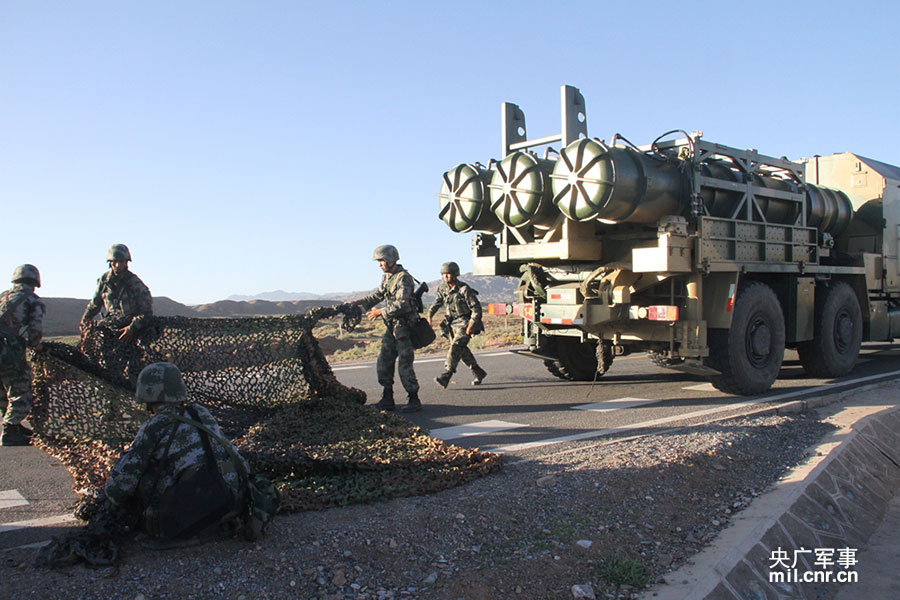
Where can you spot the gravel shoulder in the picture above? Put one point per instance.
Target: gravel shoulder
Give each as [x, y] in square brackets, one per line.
[533, 530]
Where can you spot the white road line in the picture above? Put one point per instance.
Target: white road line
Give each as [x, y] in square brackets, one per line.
[10, 498]
[617, 404]
[710, 411]
[498, 354]
[480, 428]
[27, 546]
[700, 387]
[37, 523]
[351, 368]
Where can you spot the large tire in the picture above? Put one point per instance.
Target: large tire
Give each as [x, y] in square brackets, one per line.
[837, 333]
[749, 354]
[577, 361]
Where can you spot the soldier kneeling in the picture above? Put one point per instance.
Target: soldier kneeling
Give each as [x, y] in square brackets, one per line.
[177, 479]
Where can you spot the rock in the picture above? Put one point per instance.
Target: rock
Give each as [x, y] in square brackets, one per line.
[392, 543]
[664, 560]
[545, 481]
[339, 578]
[585, 543]
[432, 577]
[583, 591]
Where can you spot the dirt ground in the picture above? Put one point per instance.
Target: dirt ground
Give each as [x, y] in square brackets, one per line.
[602, 516]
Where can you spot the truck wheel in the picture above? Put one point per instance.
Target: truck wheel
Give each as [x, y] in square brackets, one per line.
[749, 354]
[577, 361]
[837, 333]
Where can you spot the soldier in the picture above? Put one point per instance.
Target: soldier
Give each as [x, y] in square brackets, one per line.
[121, 294]
[399, 313]
[167, 451]
[462, 320]
[21, 325]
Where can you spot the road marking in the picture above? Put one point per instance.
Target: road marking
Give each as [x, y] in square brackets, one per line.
[498, 354]
[350, 368]
[829, 388]
[37, 523]
[480, 428]
[701, 387]
[10, 498]
[617, 404]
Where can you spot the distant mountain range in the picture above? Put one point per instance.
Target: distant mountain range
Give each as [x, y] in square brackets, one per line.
[64, 314]
[490, 289]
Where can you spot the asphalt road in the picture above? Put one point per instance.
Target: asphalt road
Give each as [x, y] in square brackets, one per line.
[520, 409]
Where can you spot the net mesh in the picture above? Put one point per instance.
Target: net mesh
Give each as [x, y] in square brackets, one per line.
[273, 392]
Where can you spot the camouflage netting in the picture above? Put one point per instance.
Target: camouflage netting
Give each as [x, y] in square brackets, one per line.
[269, 385]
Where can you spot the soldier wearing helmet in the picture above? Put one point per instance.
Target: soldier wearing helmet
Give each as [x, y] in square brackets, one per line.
[462, 320]
[167, 450]
[399, 314]
[21, 326]
[120, 294]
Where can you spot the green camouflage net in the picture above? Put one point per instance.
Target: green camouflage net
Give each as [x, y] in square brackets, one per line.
[268, 384]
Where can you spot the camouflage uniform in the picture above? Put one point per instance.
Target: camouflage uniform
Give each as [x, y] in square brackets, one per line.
[132, 477]
[21, 317]
[399, 313]
[121, 296]
[462, 308]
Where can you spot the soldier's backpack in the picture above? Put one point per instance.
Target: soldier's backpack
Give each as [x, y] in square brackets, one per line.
[12, 351]
[194, 503]
[420, 332]
[12, 346]
[263, 499]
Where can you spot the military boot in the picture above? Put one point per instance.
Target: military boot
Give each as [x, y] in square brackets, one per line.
[387, 400]
[443, 379]
[15, 434]
[414, 405]
[479, 373]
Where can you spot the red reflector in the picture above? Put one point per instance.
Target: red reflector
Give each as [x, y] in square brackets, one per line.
[556, 296]
[662, 313]
[497, 309]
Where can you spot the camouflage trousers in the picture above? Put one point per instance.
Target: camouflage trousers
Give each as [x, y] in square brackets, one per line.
[16, 396]
[459, 348]
[396, 347]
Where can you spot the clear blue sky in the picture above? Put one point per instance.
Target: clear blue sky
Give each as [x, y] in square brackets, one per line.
[243, 147]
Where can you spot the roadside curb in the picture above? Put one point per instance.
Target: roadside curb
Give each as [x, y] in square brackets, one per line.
[834, 500]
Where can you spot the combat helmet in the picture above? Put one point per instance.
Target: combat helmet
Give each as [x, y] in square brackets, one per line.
[386, 253]
[160, 382]
[27, 274]
[118, 252]
[450, 267]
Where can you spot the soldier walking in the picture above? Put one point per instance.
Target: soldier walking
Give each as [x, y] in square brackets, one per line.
[399, 314]
[21, 325]
[121, 295]
[462, 320]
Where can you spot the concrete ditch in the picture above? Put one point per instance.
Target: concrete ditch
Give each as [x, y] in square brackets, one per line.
[816, 520]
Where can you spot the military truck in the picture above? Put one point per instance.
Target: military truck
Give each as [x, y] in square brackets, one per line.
[712, 259]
